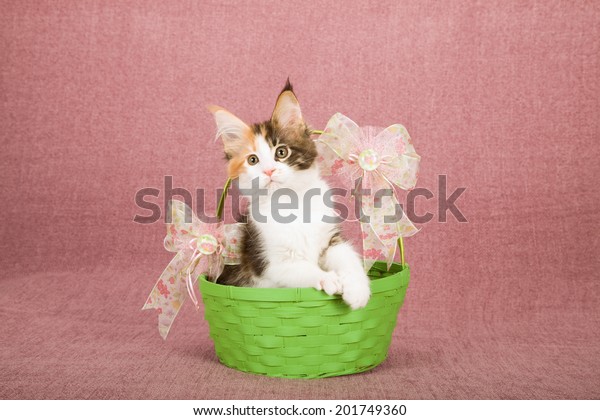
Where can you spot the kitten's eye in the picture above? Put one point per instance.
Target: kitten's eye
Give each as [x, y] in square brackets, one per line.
[282, 152]
[252, 160]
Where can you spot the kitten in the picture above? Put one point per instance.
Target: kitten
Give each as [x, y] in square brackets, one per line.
[278, 154]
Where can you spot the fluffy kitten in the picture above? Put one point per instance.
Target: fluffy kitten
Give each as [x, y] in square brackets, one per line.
[276, 154]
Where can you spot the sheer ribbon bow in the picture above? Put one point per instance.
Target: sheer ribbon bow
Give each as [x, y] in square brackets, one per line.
[202, 248]
[378, 159]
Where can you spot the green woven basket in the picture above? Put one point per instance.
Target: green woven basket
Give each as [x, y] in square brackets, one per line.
[303, 332]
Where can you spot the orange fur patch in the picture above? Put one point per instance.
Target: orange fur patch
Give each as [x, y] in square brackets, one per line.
[236, 163]
[236, 166]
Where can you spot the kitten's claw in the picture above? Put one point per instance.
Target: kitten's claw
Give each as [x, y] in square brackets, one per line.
[330, 284]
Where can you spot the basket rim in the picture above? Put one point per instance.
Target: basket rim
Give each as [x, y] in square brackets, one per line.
[399, 277]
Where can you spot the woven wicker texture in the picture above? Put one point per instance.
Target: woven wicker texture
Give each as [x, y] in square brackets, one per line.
[302, 332]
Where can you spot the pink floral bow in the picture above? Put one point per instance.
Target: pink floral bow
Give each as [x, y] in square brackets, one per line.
[381, 159]
[201, 249]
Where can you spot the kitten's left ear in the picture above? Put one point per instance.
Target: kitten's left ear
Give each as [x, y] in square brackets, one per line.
[233, 131]
[287, 109]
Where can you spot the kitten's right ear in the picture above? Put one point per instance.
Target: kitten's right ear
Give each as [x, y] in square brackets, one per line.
[287, 109]
[234, 132]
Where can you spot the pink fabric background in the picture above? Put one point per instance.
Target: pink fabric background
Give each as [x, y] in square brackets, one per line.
[99, 99]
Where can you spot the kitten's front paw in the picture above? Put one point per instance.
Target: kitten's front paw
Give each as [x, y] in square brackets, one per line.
[357, 291]
[330, 283]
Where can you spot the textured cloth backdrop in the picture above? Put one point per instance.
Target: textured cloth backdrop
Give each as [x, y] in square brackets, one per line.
[100, 99]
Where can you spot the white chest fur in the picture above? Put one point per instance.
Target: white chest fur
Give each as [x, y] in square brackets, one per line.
[294, 225]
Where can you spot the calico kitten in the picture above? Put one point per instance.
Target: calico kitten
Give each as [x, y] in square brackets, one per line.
[278, 156]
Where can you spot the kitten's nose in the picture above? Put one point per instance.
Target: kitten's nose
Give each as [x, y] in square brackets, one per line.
[269, 172]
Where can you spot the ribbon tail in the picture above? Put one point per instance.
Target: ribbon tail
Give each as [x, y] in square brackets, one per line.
[166, 296]
[404, 226]
[386, 222]
[210, 265]
[191, 281]
[373, 249]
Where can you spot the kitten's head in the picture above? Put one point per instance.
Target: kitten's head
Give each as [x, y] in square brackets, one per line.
[279, 152]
